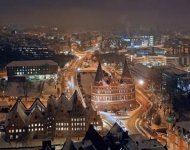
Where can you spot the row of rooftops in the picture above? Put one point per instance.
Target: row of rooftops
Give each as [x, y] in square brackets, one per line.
[38, 106]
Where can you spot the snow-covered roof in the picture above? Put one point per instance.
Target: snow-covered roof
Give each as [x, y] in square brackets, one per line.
[4, 104]
[39, 104]
[63, 101]
[35, 110]
[145, 71]
[19, 108]
[184, 124]
[142, 143]
[31, 63]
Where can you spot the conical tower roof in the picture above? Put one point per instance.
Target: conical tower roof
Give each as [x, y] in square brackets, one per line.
[99, 74]
[126, 73]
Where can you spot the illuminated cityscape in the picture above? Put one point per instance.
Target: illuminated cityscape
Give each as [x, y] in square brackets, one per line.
[95, 75]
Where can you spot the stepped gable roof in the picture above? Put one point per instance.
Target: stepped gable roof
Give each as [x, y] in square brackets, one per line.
[51, 105]
[96, 140]
[126, 72]
[99, 74]
[63, 101]
[74, 99]
[39, 104]
[69, 144]
[51, 100]
[77, 105]
[35, 110]
[89, 110]
[19, 108]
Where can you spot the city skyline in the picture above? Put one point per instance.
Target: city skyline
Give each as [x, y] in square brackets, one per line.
[79, 15]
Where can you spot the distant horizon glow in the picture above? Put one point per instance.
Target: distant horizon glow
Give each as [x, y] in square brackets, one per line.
[84, 14]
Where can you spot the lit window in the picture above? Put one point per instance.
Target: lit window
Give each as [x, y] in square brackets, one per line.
[39, 129]
[32, 130]
[12, 131]
[16, 130]
[32, 125]
[20, 130]
[42, 129]
[28, 125]
[62, 129]
[35, 124]
[28, 129]
[35, 129]
[9, 131]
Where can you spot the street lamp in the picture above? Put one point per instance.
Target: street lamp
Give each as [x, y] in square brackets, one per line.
[78, 69]
[3, 93]
[141, 82]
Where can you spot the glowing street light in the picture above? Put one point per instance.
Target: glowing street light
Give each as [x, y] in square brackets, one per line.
[78, 69]
[141, 82]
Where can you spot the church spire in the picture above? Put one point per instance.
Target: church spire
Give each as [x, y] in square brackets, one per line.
[126, 73]
[99, 74]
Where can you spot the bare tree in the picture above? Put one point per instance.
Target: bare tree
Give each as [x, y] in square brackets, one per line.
[25, 88]
[4, 86]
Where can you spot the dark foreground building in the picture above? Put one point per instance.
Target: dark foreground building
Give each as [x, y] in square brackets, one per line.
[116, 139]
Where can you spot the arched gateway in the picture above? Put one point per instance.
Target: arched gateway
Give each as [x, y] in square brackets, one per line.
[113, 95]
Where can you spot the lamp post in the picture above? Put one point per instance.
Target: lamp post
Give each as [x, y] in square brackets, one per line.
[141, 82]
[3, 94]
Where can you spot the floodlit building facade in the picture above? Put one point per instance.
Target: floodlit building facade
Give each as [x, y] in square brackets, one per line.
[113, 94]
[34, 69]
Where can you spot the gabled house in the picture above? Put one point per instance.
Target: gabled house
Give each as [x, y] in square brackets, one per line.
[62, 117]
[36, 123]
[16, 121]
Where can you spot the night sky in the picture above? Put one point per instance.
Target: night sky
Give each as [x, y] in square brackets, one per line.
[92, 13]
